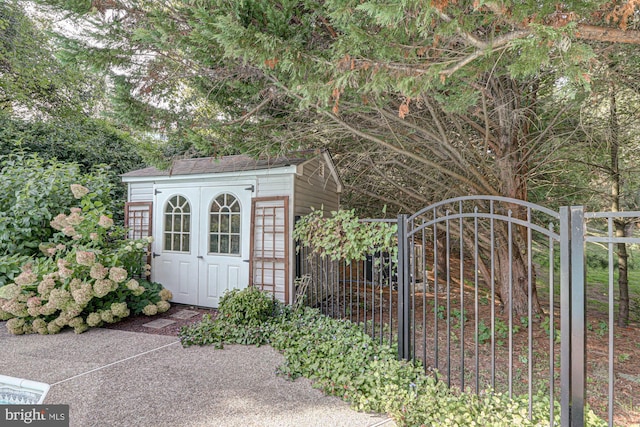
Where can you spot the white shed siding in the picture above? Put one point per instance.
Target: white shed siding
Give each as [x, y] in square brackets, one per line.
[140, 192]
[315, 188]
[274, 185]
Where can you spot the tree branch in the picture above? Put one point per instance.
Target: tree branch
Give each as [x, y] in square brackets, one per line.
[608, 35]
[246, 116]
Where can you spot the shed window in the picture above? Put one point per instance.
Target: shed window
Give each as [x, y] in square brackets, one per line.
[177, 224]
[224, 225]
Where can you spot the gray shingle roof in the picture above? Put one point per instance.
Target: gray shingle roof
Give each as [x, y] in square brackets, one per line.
[207, 165]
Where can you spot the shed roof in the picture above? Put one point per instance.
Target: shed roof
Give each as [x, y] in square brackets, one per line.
[237, 163]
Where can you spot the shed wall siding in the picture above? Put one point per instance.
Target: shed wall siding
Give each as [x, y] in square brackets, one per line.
[314, 190]
[274, 186]
[141, 191]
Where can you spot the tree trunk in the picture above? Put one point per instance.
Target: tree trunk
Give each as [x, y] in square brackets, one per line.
[623, 282]
[620, 224]
[512, 274]
[512, 130]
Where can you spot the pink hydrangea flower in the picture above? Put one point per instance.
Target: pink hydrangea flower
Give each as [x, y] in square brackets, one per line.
[83, 295]
[45, 286]
[59, 222]
[85, 258]
[98, 271]
[79, 191]
[48, 309]
[65, 273]
[34, 302]
[75, 218]
[69, 231]
[105, 221]
[25, 278]
[118, 274]
[59, 298]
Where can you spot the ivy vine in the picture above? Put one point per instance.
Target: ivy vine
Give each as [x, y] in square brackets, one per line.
[343, 236]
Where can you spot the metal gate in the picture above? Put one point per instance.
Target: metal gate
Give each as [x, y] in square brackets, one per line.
[477, 313]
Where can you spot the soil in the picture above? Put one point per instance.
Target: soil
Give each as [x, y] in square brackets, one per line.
[136, 323]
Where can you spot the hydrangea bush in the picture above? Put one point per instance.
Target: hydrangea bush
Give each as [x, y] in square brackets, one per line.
[84, 278]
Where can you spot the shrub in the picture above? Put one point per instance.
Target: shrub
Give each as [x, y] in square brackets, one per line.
[246, 307]
[244, 317]
[10, 267]
[84, 278]
[39, 190]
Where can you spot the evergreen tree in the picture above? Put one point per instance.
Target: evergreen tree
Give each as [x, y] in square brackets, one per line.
[33, 82]
[425, 99]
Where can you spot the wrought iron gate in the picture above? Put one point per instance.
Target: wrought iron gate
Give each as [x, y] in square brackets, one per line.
[497, 243]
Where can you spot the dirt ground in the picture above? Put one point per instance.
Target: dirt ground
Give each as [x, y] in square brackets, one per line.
[136, 323]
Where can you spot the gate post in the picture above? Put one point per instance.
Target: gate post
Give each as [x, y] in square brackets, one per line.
[572, 316]
[403, 289]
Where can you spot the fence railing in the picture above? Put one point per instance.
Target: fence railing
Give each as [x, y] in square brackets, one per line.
[491, 293]
[363, 292]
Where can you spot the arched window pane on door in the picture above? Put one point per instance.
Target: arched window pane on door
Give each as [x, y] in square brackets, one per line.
[177, 224]
[224, 225]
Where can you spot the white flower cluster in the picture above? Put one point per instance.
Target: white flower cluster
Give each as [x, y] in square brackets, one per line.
[82, 264]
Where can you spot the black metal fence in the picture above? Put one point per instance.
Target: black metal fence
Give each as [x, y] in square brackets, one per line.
[491, 293]
[364, 292]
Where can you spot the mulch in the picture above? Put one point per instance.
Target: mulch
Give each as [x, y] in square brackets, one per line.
[136, 323]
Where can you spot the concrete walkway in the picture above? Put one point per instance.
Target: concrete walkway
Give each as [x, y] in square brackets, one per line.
[116, 378]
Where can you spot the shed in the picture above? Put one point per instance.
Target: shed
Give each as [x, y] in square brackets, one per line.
[226, 223]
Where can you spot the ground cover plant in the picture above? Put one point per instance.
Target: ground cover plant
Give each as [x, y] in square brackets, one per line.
[342, 360]
[88, 274]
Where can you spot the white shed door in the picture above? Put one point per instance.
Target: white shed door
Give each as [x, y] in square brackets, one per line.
[201, 246]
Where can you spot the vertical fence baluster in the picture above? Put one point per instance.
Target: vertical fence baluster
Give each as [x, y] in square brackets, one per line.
[510, 256]
[412, 279]
[611, 320]
[403, 289]
[552, 328]
[461, 262]
[359, 282]
[391, 269]
[493, 296]
[376, 278]
[448, 260]
[565, 317]
[530, 311]
[423, 272]
[476, 306]
[578, 317]
[436, 304]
